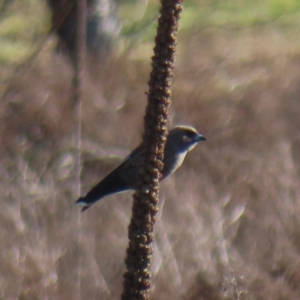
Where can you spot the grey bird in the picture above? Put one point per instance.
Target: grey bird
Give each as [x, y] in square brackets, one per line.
[180, 140]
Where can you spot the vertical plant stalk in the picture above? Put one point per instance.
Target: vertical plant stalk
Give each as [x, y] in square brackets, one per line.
[78, 85]
[137, 278]
[78, 81]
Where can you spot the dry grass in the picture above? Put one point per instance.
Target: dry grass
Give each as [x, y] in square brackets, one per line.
[228, 224]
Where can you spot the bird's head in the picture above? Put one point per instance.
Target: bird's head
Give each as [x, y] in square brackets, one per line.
[185, 138]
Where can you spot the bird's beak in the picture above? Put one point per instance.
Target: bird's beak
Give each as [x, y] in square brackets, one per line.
[199, 137]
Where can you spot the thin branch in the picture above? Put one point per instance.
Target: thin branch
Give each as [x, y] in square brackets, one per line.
[78, 83]
[79, 63]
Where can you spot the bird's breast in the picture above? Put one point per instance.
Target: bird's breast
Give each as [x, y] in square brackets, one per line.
[172, 163]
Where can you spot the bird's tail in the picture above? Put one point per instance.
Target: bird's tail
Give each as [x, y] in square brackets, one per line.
[83, 203]
[111, 184]
[96, 193]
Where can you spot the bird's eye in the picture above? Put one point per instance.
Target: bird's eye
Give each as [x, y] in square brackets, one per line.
[189, 134]
[187, 137]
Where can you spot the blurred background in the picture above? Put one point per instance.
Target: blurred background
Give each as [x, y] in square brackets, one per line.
[228, 225]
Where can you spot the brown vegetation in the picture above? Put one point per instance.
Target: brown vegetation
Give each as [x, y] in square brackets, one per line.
[228, 221]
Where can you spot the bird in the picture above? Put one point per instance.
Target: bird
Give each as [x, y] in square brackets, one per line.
[180, 140]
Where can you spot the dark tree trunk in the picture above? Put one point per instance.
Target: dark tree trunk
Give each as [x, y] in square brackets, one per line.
[102, 26]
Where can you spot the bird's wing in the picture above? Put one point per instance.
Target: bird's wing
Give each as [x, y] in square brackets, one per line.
[133, 154]
[120, 179]
[129, 163]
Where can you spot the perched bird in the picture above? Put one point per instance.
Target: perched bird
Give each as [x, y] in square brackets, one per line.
[180, 140]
